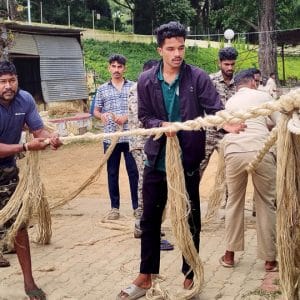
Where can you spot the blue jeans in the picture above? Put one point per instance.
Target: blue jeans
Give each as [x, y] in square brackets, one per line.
[113, 166]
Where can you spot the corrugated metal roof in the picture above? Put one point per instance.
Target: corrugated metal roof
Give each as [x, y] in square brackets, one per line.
[42, 29]
[61, 68]
[60, 90]
[24, 44]
[57, 46]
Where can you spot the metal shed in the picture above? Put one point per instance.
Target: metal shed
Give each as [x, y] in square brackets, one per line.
[49, 62]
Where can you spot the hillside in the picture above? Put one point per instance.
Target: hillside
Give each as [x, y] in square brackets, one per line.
[97, 52]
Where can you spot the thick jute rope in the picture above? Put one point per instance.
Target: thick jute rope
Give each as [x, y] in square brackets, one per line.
[288, 210]
[28, 202]
[218, 191]
[271, 140]
[30, 193]
[219, 188]
[179, 205]
[91, 179]
[286, 103]
[294, 123]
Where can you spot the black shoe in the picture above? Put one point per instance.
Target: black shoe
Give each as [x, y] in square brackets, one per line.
[7, 250]
[4, 263]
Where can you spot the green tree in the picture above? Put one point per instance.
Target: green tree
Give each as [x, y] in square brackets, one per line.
[168, 10]
[10, 11]
[56, 11]
[143, 17]
[244, 15]
[150, 14]
[267, 54]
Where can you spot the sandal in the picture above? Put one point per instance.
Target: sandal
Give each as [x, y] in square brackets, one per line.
[190, 284]
[272, 266]
[225, 264]
[37, 294]
[4, 263]
[133, 292]
[166, 245]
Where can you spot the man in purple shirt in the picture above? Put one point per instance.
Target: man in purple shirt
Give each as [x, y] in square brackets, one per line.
[17, 109]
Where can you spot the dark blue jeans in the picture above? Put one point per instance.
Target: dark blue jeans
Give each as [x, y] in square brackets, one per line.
[113, 166]
[155, 197]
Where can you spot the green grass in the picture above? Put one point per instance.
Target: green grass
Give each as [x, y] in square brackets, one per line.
[96, 54]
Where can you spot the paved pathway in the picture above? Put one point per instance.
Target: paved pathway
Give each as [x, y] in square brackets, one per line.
[86, 260]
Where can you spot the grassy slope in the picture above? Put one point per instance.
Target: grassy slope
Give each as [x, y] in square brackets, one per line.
[96, 54]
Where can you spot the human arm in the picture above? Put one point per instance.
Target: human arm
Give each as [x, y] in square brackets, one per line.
[211, 102]
[104, 117]
[42, 138]
[8, 150]
[98, 108]
[151, 110]
[102, 113]
[120, 119]
[234, 127]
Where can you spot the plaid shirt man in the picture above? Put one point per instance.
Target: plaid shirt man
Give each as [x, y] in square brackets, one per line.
[109, 99]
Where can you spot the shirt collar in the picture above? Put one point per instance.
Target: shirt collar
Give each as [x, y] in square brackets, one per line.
[160, 75]
[221, 78]
[125, 81]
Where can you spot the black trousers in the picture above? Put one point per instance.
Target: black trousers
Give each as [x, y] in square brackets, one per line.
[155, 198]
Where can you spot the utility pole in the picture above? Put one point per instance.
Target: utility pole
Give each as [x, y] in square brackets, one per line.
[29, 12]
[69, 17]
[93, 18]
[41, 5]
[7, 5]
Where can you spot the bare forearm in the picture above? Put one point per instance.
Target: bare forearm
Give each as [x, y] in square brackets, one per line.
[41, 133]
[97, 114]
[8, 150]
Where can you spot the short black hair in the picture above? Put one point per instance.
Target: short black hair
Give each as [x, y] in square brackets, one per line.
[228, 53]
[118, 58]
[243, 77]
[149, 64]
[7, 67]
[272, 74]
[169, 30]
[255, 71]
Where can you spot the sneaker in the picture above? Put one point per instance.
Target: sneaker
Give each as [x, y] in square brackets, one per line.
[137, 213]
[114, 214]
[137, 233]
[4, 263]
[8, 250]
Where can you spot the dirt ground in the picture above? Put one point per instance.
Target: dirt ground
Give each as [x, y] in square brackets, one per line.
[64, 170]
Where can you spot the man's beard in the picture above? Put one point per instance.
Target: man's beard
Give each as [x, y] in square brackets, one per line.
[228, 75]
[8, 99]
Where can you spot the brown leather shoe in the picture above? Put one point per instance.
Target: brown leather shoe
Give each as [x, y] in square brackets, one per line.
[4, 263]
